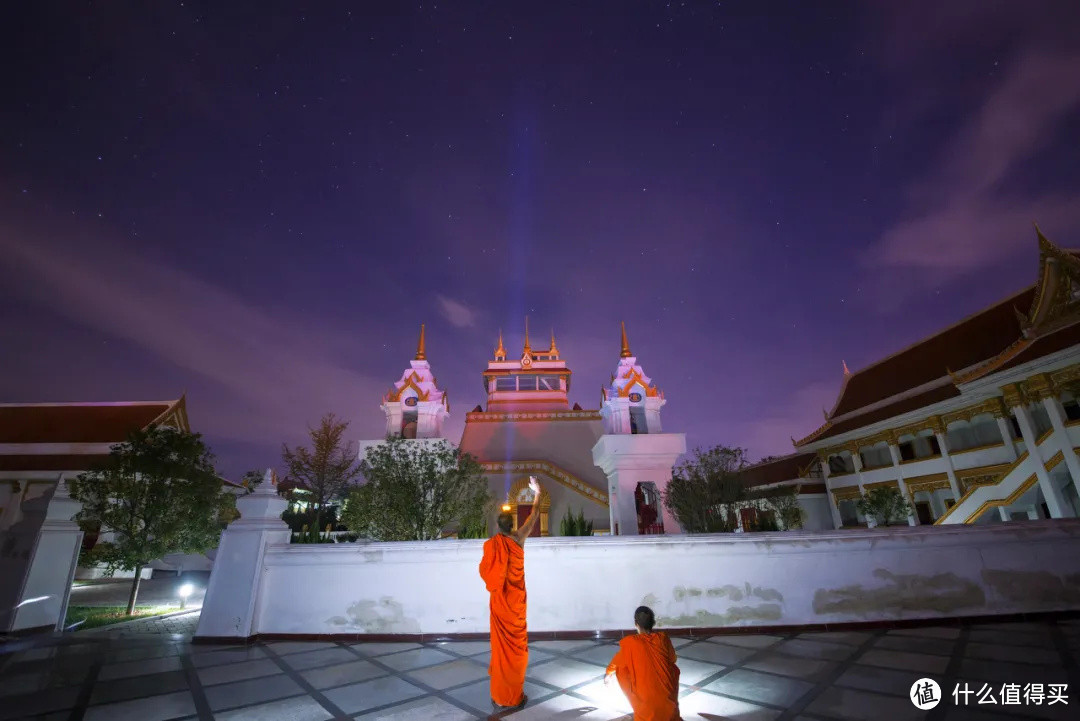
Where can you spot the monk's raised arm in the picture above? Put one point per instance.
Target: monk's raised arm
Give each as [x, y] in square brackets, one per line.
[526, 528]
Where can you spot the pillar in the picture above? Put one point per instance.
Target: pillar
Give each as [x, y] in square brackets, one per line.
[228, 609]
[894, 453]
[1055, 501]
[1006, 437]
[1061, 434]
[834, 510]
[627, 460]
[43, 599]
[949, 470]
[856, 461]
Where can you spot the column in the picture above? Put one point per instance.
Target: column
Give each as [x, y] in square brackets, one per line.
[856, 461]
[623, 507]
[1061, 434]
[949, 470]
[1055, 501]
[1004, 513]
[44, 597]
[894, 453]
[834, 510]
[1006, 436]
[229, 606]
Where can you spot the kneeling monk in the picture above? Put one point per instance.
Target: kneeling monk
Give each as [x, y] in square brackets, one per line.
[646, 670]
[503, 571]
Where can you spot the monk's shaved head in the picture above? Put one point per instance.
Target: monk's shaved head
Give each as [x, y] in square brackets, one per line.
[506, 522]
[645, 618]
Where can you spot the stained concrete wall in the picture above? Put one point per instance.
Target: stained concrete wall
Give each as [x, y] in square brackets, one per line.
[595, 583]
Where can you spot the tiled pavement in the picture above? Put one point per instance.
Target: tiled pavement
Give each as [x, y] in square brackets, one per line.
[839, 675]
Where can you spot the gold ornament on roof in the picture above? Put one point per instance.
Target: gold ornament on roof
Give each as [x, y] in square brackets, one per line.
[625, 353]
[527, 349]
[500, 352]
[420, 345]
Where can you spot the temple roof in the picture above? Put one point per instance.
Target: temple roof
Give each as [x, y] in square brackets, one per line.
[786, 468]
[85, 422]
[628, 374]
[419, 378]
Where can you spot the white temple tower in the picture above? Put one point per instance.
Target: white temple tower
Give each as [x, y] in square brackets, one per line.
[415, 407]
[633, 450]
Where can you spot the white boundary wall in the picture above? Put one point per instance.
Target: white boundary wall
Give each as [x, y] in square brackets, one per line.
[594, 584]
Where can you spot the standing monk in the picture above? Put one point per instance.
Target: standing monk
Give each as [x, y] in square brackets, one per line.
[503, 571]
[646, 670]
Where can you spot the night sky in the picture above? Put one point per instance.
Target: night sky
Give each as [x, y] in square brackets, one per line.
[258, 203]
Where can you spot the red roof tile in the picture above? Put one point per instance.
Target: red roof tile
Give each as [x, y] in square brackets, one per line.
[906, 405]
[71, 462]
[76, 423]
[975, 339]
[1050, 343]
[775, 471]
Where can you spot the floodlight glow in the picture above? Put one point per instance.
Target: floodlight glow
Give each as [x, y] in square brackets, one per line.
[506, 508]
[186, 590]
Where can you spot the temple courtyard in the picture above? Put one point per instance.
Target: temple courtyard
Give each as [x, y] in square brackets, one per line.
[150, 671]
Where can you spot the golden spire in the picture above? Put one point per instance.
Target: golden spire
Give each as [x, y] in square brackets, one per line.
[625, 344]
[528, 348]
[846, 371]
[554, 349]
[500, 352]
[420, 346]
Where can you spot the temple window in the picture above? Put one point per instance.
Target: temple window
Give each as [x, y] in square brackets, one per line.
[506, 383]
[841, 464]
[637, 420]
[849, 516]
[549, 383]
[982, 430]
[1071, 406]
[876, 456]
[1040, 419]
[913, 448]
[409, 419]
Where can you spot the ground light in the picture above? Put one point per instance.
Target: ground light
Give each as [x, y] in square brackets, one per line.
[183, 592]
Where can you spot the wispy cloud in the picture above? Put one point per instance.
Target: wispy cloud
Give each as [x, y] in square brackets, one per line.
[271, 375]
[962, 215]
[800, 414]
[457, 313]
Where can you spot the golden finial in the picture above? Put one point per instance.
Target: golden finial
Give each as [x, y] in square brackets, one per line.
[528, 348]
[420, 346]
[500, 352]
[554, 349]
[846, 371]
[625, 344]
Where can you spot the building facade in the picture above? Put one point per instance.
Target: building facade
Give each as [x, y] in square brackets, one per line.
[978, 423]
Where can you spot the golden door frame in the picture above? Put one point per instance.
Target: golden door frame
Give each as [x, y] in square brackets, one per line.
[520, 493]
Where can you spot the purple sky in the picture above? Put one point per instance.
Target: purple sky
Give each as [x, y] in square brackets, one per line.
[259, 206]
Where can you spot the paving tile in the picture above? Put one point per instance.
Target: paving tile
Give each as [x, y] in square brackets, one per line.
[428, 709]
[815, 649]
[1047, 655]
[974, 669]
[679, 641]
[562, 646]
[282, 648]
[151, 708]
[19, 683]
[449, 674]
[607, 696]
[566, 707]
[1005, 638]
[882, 680]
[975, 714]
[599, 655]
[693, 672]
[230, 656]
[927, 632]
[342, 673]
[746, 641]
[253, 690]
[464, 648]
[322, 657]
[371, 694]
[418, 658]
[939, 646]
[717, 653]
[852, 638]
[227, 673]
[565, 673]
[764, 688]
[842, 703]
[139, 668]
[382, 649]
[704, 705]
[797, 667]
[298, 708]
[139, 686]
[41, 702]
[478, 695]
[924, 663]
[536, 656]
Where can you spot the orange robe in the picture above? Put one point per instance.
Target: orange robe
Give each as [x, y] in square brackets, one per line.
[645, 667]
[503, 571]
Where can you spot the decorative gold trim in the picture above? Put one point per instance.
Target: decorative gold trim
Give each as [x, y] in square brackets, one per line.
[847, 493]
[882, 484]
[544, 506]
[551, 471]
[971, 474]
[920, 460]
[1013, 498]
[504, 417]
[1043, 437]
[988, 446]
[1054, 460]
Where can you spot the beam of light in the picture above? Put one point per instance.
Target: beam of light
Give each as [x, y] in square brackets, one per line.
[37, 599]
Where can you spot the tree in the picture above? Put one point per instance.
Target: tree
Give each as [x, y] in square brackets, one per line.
[768, 459]
[885, 505]
[157, 493]
[572, 525]
[251, 480]
[705, 491]
[415, 491]
[783, 502]
[326, 470]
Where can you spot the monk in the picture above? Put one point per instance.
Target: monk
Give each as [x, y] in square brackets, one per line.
[503, 571]
[646, 670]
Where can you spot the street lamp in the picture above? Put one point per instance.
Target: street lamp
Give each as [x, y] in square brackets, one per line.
[183, 592]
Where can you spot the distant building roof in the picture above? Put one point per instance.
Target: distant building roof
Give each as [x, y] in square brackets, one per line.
[777, 470]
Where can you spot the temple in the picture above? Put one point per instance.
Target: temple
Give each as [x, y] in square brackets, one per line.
[607, 464]
[977, 424]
